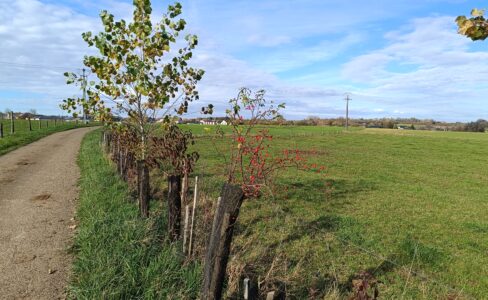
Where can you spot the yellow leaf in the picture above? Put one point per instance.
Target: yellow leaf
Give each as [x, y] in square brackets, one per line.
[477, 12]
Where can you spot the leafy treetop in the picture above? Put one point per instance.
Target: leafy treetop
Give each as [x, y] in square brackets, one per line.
[475, 27]
[137, 74]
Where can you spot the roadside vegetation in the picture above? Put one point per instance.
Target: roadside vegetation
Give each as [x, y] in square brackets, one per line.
[118, 255]
[24, 136]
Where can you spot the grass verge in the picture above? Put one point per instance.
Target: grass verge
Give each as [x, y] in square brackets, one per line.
[13, 141]
[117, 254]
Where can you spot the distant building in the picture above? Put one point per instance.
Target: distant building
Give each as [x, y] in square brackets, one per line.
[224, 122]
[207, 122]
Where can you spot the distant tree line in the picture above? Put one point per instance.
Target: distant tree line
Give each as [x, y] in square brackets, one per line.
[477, 126]
[391, 123]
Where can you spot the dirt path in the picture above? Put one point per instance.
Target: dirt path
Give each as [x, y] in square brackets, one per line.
[38, 191]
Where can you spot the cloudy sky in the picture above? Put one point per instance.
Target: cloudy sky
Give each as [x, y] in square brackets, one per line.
[398, 58]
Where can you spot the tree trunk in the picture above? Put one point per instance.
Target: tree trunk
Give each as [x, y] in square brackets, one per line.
[174, 207]
[220, 241]
[143, 188]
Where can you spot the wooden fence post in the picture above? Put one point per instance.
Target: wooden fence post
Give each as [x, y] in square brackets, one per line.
[55, 122]
[174, 207]
[40, 125]
[1, 130]
[218, 249]
[195, 196]
[30, 125]
[47, 123]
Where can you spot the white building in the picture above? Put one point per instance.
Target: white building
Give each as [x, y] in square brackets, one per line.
[208, 122]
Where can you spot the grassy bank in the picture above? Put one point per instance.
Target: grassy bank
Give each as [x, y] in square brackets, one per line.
[24, 136]
[117, 254]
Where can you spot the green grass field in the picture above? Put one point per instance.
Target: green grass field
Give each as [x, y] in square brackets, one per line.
[23, 135]
[409, 207]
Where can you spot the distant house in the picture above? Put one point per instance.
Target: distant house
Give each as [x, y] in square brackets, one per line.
[207, 122]
[224, 122]
[405, 126]
[25, 116]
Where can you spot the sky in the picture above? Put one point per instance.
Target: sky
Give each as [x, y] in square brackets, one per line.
[399, 58]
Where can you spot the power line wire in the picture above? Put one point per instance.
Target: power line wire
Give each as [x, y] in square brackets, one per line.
[32, 66]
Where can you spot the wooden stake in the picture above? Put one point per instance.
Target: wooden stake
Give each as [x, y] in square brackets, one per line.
[246, 288]
[185, 228]
[250, 290]
[195, 196]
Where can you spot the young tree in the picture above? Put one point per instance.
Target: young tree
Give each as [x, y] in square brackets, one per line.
[251, 165]
[139, 76]
[476, 27]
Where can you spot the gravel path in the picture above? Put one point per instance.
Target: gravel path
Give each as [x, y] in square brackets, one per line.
[38, 193]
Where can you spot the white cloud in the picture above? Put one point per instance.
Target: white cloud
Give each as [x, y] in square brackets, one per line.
[44, 40]
[425, 67]
[40, 42]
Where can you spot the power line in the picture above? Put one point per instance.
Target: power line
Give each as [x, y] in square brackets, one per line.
[32, 66]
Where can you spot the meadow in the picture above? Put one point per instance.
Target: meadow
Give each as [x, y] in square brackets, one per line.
[407, 207]
[23, 135]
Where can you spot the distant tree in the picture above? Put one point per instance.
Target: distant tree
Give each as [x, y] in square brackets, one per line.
[313, 120]
[138, 76]
[388, 123]
[478, 126]
[475, 27]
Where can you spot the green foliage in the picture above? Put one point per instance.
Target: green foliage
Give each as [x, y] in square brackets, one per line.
[475, 27]
[117, 254]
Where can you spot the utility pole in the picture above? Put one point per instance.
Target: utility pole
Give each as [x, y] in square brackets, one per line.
[347, 99]
[12, 122]
[84, 95]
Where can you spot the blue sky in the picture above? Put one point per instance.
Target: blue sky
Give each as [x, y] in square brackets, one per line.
[397, 58]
